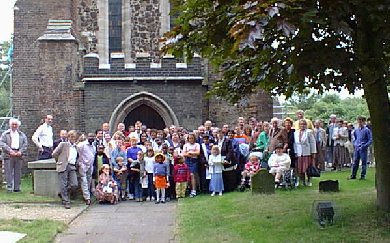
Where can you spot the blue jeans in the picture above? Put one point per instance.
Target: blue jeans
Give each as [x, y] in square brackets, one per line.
[137, 190]
[358, 155]
[151, 189]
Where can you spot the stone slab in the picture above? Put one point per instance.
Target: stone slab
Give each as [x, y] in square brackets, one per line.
[42, 164]
[46, 183]
[10, 237]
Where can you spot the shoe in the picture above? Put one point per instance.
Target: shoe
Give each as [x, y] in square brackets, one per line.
[123, 199]
[131, 197]
[59, 195]
[220, 194]
[157, 202]
[152, 199]
[213, 194]
[362, 178]
[67, 206]
[17, 191]
[352, 178]
[309, 184]
[88, 202]
[162, 201]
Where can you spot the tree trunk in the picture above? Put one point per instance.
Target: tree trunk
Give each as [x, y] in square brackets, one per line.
[378, 104]
[373, 68]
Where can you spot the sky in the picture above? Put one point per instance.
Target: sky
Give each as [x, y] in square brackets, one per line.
[6, 19]
[7, 25]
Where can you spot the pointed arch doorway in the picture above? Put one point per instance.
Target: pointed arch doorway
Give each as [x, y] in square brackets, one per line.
[146, 107]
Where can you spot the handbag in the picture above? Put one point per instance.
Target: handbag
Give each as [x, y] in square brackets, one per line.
[312, 171]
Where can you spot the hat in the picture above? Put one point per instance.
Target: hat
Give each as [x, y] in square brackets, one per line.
[159, 154]
[279, 145]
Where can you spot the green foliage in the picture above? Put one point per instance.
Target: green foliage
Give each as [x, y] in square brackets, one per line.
[317, 107]
[285, 216]
[284, 46]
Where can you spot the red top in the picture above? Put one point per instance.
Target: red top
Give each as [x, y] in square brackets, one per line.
[181, 173]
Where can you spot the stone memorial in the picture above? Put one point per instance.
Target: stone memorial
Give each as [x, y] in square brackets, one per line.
[263, 182]
[45, 177]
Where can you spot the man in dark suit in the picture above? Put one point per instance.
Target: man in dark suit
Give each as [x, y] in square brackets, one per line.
[63, 138]
[14, 145]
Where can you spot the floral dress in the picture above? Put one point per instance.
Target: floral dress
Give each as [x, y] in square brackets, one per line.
[107, 189]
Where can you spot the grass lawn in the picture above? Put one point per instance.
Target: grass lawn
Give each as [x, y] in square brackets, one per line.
[285, 216]
[25, 195]
[36, 230]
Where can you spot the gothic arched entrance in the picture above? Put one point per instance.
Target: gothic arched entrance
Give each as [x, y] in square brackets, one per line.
[146, 107]
[147, 115]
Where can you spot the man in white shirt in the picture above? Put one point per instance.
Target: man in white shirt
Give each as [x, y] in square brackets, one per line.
[14, 145]
[43, 138]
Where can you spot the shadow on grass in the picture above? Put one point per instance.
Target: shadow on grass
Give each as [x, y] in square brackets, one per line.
[285, 216]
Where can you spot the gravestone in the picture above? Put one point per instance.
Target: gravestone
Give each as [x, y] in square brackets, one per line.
[263, 182]
[329, 186]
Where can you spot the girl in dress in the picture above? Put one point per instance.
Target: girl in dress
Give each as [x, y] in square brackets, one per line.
[215, 170]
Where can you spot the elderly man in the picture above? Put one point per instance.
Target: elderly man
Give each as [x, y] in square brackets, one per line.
[66, 155]
[14, 145]
[87, 151]
[301, 115]
[277, 135]
[43, 138]
[320, 136]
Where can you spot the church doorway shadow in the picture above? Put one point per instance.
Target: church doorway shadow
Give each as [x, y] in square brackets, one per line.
[147, 115]
[146, 107]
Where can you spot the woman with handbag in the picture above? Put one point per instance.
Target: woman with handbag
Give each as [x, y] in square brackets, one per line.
[305, 150]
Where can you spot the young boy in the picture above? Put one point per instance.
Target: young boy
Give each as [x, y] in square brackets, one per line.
[120, 176]
[181, 175]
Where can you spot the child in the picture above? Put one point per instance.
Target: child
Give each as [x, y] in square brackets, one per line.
[160, 177]
[136, 171]
[106, 190]
[149, 163]
[251, 168]
[181, 175]
[120, 176]
[215, 170]
[279, 162]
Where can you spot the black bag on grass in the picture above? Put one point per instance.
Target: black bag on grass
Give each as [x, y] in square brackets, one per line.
[312, 171]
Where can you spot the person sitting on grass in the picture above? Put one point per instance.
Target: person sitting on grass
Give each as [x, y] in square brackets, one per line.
[251, 168]
[107, 189]
[279, 162]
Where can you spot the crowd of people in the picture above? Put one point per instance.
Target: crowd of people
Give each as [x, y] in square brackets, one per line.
[141, 163]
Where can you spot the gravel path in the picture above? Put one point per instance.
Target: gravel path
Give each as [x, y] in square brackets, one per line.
[31, 211]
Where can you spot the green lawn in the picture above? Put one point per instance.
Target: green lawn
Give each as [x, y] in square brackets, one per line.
[25, 195]
[37, 230]
[285, 216]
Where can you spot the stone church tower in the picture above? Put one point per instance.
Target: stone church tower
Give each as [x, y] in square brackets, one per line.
[92, 61]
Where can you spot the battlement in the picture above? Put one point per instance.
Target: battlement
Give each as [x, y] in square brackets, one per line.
[143, 66]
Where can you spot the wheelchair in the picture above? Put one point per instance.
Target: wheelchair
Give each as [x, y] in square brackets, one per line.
[288, 180]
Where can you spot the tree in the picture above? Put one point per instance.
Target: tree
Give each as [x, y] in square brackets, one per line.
[287, 46]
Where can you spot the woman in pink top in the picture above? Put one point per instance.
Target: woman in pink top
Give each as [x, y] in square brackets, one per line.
[191, 152]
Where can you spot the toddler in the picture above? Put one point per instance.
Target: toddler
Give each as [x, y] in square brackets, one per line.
[181, 175]
[215, 170]
[160, 177]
